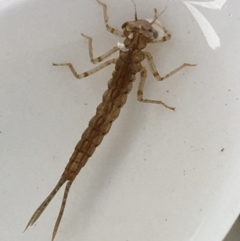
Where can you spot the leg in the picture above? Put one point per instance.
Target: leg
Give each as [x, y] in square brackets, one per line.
[154, 70]
[102, 57]
[143, 74]
[89, 72]
[109, 28]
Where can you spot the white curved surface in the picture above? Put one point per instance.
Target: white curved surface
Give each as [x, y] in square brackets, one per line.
[158, 175]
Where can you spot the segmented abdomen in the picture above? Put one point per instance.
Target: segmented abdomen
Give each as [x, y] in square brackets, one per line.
[113, 99]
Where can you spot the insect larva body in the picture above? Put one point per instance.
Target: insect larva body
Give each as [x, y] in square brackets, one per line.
[137, 35]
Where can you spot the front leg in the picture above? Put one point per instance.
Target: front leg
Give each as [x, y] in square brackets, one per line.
[108, 27]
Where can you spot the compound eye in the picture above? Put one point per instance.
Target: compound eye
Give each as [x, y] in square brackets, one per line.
[155, 34]
[125, 24]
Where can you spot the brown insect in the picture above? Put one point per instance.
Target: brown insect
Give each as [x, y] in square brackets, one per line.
[137, 35]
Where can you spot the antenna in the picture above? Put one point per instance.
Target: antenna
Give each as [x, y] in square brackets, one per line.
[156, 16]
[135, 10]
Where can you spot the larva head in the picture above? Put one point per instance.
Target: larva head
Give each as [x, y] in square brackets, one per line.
[140, 32]
[141, 27]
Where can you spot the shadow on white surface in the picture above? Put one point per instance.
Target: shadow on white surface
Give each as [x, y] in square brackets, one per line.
[234, 233]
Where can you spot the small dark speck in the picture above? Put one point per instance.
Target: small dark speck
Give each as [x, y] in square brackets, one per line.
[222, 149]
[229, 90]
[166, 220]
[167, 91]
[85, 103]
